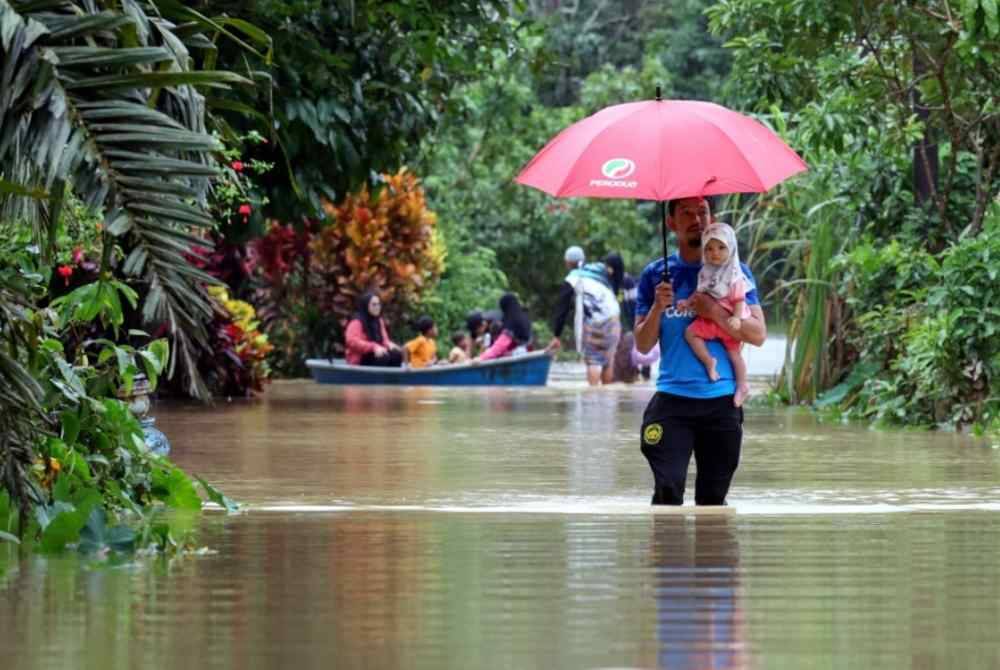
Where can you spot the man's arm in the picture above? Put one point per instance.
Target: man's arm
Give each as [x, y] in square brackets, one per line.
[564, 303]
[647, 327]
[752, 331]
[647, 331]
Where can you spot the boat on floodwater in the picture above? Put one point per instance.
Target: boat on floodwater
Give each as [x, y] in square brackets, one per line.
[531, 369]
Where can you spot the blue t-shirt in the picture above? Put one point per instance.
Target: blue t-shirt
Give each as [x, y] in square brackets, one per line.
[681, 373]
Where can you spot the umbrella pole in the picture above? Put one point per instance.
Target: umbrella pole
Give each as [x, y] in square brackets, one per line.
[663, 232]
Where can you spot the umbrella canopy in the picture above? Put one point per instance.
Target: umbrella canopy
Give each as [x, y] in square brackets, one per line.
[661, 150]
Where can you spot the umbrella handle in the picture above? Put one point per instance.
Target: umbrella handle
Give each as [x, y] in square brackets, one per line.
[663, 233]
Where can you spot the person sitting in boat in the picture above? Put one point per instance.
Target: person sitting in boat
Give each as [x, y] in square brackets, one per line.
[478, 332]
[367, 338]
[422, 349]
[494, 326]
[515, 335]
[462, 349]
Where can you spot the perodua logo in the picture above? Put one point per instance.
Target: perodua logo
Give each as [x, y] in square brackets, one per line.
[618, 168]
[616, 171]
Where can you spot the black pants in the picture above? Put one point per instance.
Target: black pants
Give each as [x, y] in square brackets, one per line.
[674, 427]
[392, 359]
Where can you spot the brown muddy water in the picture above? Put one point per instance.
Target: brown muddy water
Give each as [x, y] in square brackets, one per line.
[509, 528]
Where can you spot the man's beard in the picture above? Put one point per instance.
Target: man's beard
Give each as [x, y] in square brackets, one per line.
[694, 242]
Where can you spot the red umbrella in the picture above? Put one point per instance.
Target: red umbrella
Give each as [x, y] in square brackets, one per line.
[661, 150]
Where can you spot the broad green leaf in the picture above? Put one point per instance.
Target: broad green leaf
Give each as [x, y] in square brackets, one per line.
[70, 377]
[61, 489]
[70, 421]
[219, 498]
[97, 537]
[63, 527]
[992, 18]
[77, 465]
[52, 345]
[182, 492]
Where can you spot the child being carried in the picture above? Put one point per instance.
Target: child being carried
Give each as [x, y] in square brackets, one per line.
[721, 277]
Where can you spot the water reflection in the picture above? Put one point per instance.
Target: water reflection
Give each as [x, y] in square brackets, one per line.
[699, 600]
[510, 528]
[591, 419]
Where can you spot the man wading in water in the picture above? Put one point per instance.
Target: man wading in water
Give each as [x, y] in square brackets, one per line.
[690, 413]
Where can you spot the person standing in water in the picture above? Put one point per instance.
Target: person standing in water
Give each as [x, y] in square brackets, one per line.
[591, 291]
[690, 413]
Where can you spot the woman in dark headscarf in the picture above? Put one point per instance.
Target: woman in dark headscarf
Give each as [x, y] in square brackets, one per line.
[515, 321]
[616, 270]
[516, 329]
[367, 338]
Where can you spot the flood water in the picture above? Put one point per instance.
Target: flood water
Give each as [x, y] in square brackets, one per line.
[510, 528]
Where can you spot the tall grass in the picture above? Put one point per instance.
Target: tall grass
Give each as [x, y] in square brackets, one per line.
[810, 330]
[789, 243]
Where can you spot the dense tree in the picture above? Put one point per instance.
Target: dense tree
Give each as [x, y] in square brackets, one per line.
[355, 85]
[588, 35]
[894, 106]
[470, 166]
[99, 105]
[919, 74]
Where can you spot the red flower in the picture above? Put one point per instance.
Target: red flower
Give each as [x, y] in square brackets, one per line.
[78, 255]
[245, 212]
[237, 165]
[65, 271]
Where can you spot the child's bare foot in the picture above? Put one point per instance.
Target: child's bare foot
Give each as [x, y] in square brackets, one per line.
[742, 393]
[712, 374]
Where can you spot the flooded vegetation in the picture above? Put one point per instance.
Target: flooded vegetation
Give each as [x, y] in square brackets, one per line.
[432, 528]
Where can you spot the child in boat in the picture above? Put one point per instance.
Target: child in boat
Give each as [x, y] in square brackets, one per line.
[722, 278]
[462, 347]
[422, 350]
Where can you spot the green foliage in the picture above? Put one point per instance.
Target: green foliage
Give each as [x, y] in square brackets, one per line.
[470, 281]
[867, 76]
[383, 240]
[876, 95]
[926, 331]
[218, 497]
[358, 84]
[668, 38]
[100, 100]
[470, 167]
[71, 453]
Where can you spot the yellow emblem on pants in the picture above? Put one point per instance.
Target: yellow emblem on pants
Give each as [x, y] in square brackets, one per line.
[652, 434]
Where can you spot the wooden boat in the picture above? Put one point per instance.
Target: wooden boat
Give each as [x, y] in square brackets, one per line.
[531, 369]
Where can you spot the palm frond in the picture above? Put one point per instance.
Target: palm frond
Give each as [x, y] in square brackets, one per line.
[123, 123]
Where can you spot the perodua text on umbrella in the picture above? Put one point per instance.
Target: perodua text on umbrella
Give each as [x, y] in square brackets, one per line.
[615, 183]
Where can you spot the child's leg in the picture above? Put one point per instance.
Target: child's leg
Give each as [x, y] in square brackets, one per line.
[701, 351]
[740, 372]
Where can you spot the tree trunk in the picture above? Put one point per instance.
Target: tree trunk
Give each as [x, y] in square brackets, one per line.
[925, 151]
